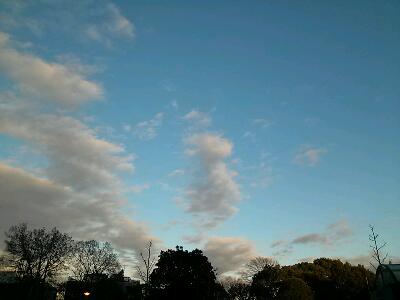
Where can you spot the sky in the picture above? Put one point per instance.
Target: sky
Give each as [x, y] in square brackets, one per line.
[264, 128]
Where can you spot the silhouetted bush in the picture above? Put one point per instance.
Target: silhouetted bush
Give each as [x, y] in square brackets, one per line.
[294, 288]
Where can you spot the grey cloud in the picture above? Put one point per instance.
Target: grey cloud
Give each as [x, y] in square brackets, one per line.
[41, 79]
[193, 239]
[41, 202]
[310, 239]
[80, 191]
[340, 229]
[334, 233]
[278, 243]
[229, 254]
[77, 158]
[214, 192]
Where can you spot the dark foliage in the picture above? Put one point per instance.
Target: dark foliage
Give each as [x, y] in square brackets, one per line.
[294, 288]
[180, 274]
[265, 283]
[39, 255]
[333, 279]
[239, 290]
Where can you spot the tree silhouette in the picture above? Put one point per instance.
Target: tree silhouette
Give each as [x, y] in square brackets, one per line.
[238, 289]
[264, 285]
[255, 265]
[39, 255]
[376, 248]
[331, 278]
[294, 288]
[149, 262]
[92, 258]
[180, 274]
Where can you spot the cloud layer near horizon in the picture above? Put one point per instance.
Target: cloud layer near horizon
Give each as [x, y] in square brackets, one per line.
[229, 254]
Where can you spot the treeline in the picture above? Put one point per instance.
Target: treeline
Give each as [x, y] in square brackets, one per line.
[43, 258]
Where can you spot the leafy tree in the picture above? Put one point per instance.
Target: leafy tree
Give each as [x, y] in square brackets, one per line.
[92, 259]
[332, 279]
[294, 288]
[180, 274]
[39, 255]
[264, 285]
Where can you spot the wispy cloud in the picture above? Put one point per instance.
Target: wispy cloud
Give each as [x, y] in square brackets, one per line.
[139, 188]
[198, 118]
[173, 104]
[147, 130]
[104, 24]
[112, 24]
[177, 172]
[168, 85]
[309, 156]
[263, 123]
[334, 233]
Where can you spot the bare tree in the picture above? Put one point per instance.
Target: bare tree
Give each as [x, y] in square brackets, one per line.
[93, 258]
[38, 254]
[149, 262]
[256, 265]
[376, 248]
[237, 288]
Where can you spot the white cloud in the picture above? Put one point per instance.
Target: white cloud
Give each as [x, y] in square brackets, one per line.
[214, 193]
[147, 130]
[229, 254]
[41, 79]
[309, 156]
[198, 118]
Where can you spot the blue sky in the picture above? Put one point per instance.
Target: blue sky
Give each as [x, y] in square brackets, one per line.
[265, 128]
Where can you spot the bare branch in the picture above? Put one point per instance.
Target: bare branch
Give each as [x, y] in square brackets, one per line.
[376, 248]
